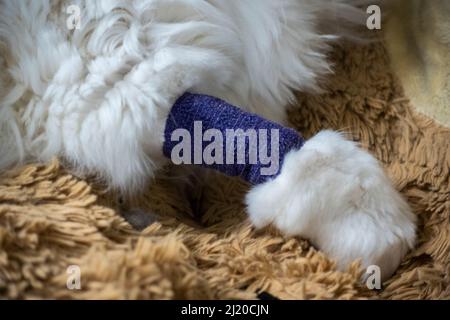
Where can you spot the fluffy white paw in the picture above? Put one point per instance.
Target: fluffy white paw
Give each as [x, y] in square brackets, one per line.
[337, 196]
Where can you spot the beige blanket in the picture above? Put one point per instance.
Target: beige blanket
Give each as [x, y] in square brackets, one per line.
[50, 220]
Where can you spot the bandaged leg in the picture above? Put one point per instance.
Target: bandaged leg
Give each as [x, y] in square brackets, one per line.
[207, 131]
[325, 189]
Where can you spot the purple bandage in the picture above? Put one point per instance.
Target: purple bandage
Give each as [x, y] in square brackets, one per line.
[207, 131]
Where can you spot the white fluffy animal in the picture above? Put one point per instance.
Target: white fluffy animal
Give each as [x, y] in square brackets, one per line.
[97, 95]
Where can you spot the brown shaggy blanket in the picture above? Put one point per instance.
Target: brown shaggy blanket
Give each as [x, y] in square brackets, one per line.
[49, 219]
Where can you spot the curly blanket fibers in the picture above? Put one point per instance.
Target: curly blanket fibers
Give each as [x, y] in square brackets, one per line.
[50, 220]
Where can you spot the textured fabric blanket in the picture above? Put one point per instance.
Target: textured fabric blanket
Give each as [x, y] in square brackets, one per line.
[51, 220]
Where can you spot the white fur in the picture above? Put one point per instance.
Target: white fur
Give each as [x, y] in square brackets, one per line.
[337, 196]
[98, 96]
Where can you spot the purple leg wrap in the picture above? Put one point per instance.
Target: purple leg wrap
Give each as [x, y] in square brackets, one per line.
[207, 131]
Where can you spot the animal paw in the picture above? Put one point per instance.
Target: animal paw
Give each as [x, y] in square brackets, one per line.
[337, 196]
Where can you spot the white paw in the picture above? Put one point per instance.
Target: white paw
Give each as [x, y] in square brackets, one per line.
[337, 196]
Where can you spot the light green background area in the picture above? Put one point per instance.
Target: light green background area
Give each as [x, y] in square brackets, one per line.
[417, 35]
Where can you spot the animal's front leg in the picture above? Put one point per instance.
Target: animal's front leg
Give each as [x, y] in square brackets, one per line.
[325, 189]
